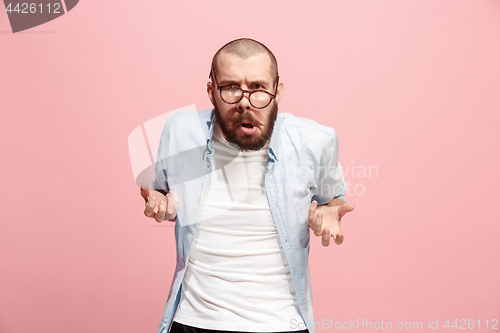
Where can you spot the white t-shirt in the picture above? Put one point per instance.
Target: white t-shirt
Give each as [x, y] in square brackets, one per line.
[237, 276]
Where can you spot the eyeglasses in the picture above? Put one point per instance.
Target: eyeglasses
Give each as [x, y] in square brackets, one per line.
[232, 94]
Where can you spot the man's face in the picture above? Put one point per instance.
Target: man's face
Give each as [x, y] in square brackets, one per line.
[241, 123]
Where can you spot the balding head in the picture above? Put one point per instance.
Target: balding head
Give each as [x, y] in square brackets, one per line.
[245, 48]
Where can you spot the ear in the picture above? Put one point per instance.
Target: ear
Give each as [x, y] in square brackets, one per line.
[210, 92]
[279, 92]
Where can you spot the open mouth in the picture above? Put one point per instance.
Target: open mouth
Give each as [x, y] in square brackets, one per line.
[248, 128]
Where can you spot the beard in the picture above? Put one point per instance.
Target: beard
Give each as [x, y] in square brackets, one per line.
[247, 142]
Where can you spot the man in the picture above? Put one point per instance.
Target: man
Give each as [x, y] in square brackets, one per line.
[244, 184]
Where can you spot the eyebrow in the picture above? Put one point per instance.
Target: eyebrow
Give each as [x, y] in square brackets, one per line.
[228, 82]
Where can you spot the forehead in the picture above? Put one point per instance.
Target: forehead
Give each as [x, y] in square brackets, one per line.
[255, 67]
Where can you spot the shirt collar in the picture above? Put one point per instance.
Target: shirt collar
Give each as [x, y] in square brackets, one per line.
[274, 142]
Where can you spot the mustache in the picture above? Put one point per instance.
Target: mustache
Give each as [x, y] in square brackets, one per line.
[248, 117]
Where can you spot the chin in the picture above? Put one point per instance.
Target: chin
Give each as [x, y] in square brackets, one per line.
[248, 142]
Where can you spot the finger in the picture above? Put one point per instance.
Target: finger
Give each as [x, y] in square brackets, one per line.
[144, 191]
[318, 224]
[162, 208]
[346, 208]
[150, 207]
[325, 237]
[312, 213]
[336, 233]
[339, 238]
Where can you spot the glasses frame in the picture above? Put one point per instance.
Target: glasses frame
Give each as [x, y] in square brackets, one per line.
[249, 92]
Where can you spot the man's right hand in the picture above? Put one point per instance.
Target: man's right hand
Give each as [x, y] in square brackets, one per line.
[158, 206]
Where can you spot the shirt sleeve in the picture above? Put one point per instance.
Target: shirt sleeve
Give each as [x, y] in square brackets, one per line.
[332, 184]
[160, 181]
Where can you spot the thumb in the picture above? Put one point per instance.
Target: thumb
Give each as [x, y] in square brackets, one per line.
[346, 208]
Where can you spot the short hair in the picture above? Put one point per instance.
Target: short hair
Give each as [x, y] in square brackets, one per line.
[245, 48]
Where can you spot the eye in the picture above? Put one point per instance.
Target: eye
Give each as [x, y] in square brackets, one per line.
[232, 88]
[258, 86]
[231, 91]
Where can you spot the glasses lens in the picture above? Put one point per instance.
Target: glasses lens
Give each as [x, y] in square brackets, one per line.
[231, 94]
[260, 99]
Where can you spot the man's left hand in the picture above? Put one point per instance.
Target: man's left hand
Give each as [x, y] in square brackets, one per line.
[324, 220]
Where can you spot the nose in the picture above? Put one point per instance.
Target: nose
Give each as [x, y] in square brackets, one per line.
[244, 102]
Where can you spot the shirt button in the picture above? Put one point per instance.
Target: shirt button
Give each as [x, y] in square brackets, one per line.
[165, 320]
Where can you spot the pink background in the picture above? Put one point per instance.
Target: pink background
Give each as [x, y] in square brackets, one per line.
[411, 87]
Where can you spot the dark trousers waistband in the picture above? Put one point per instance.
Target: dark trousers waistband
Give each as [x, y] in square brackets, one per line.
[181, 328]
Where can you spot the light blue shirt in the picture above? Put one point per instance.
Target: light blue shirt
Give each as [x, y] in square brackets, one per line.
[302, 166]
